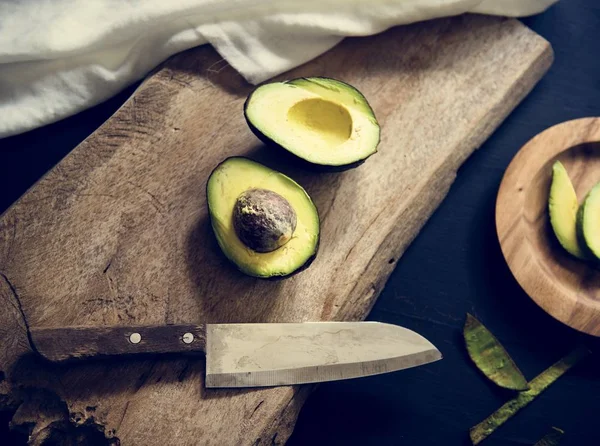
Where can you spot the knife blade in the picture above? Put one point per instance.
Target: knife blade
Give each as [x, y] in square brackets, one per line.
[254, 355]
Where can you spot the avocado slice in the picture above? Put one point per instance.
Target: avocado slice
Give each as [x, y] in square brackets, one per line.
[320, 120]
[562, 206]
[588, 222]
[264, 221]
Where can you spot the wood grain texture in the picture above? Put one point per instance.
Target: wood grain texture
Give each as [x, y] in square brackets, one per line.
[565, 287]
[15, 343]
[62, 344]
[118, 232]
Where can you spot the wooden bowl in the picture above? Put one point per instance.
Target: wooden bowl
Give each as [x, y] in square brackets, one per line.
[565, 287]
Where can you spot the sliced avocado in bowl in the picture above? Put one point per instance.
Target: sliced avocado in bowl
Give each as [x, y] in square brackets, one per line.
[562, 206]
[323, 121]
[264, 222]
[588, 222]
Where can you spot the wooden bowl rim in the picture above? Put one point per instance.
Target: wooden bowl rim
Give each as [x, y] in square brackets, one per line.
[557, 300]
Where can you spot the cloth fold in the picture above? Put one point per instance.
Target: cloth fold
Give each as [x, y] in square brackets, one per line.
[58, 57]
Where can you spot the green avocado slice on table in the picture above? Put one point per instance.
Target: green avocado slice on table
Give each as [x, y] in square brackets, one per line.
[320, 120]
[562, 206]
[264, 221]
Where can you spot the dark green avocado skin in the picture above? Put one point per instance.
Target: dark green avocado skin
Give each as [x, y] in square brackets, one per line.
[306, 264]
[589, 255]
[300, 161]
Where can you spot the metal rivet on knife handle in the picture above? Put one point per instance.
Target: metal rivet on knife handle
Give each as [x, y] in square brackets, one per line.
[135, 338]
[188, 338]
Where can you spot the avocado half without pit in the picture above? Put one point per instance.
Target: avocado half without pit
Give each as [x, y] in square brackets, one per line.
[264, 221]
[320, 120]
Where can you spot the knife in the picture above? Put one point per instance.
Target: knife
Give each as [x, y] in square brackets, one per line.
[253, 355]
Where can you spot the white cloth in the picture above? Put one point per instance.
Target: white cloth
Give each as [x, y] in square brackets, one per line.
[58, 57]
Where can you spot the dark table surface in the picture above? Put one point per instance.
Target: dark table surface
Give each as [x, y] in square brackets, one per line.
[453, 267]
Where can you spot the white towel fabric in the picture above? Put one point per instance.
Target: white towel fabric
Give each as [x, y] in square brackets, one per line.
[58, 57]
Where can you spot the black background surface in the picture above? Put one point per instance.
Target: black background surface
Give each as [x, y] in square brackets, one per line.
[453, 267]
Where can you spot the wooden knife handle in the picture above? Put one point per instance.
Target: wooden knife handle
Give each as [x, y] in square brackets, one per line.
[61, 344]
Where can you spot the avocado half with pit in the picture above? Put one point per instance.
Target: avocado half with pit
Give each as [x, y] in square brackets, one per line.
[264, 221]
[320, 120]
[562, 207]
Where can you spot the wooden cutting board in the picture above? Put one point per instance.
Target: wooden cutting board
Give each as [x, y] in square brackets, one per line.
[118, 232]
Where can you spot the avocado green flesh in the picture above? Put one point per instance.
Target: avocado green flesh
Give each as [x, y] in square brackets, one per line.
[323, 121]
[562, 206]
[237, 175]
[589, 221]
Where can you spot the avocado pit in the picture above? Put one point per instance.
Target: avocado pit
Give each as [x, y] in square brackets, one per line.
[263, 220]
